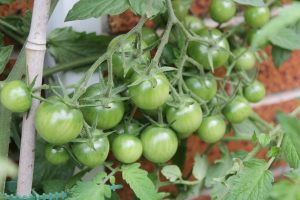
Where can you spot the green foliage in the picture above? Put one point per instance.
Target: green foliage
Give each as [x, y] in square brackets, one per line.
[286, 38]
[140, 7]
[246, 129]
[139, 182]
[4, 56]
[251, 2]
[280, 55]
[6, 1]
[200, 167]
[171, 172]
[7, 168]
[52, 186]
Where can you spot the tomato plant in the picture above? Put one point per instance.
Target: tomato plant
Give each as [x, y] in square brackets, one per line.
[222, 11]
[56, 155]
[212, 129]
[254, 92]
[257, 16]
[237, 110]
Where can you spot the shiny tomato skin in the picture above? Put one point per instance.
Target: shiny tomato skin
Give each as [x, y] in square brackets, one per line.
[92, 154]
[149, 36]
[149, 95]
[245, 59]
[57, 123]
[159, 144]
[186, 119]
[194, 24]
[204, 87]
[16, 96]
[257, 17]
[127, 148]
[219, 52]
[222, 10]
[56, 155]
[254, 92]
[212, 129]
[237, 110]
[104, 116]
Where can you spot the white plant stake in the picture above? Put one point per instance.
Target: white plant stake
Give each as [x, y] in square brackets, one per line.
[35, 53]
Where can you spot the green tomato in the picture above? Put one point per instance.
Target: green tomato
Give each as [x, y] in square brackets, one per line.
[130, 128]
[93, 153]
[194, 24]
[186, 119]
[212, 129]
[219, 52]
[159, 144]
[237, 110]
[245, 59]
[257, 17]
[179, 9]
[125, 63]
[149, 36]
[222, 10]
[16, 96]
[104, 116]
[254, 92]
[57, 123]
[56, 155]
[127, 148]
[151, 93]
[204, 87]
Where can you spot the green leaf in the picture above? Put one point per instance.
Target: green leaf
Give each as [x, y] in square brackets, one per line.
[139, 182]
[246, 129]
[4, 56]
[291, 142]
[52, 186]
[286, 38]
[7, 168]
[171, 172]
[264, 139]
[200, 167]
[280, 55]
[288, 16]
[96, 8]
[6, 1]
[257, 3]
[67, 45]
[253, 182]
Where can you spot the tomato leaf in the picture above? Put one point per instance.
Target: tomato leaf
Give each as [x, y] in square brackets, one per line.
[286, 38]
[200, 167]
[257, 3]
[151, 8]
[291, 142]
[52, 186]
[246, 129]
[6, 1]
[280, 55]
[171, 172]
[264, 139]
[253, 182]
[139, 182]
[66, 45]
[96, 8]
[4, 56]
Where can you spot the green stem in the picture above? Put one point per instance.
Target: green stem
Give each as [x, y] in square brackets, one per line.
[9, 26]
[252, 153]
[12, 35]
[110, 82]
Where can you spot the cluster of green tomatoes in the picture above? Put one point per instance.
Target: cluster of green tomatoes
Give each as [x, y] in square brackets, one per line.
[81, 128]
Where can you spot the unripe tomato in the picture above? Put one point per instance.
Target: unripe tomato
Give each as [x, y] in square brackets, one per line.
[179, 9]
[159, 144]
[149, 36]
[237, 110]
[194, 24]
[222, 10]
[246, 59]
[56, 155]
[127, 148]
[104, 116]
[212, 129]
[254, 92]
[186, 119]
[150, 94]
[204, 87]
[92, 153]
[219, 51]
[120, 62]
[131, 128]
[57, 123]
[257, 17]
[16, 96]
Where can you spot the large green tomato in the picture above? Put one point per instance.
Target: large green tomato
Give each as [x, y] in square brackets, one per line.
[204, 87]
[159, 144]
[245, 59]
[186, 119]
[212, 129]
[149, 36]
[237, 110]
[57, 123]
[257, 17]
[151, 93]
[56, 155]
[254, 92]
[194, 24]
[92, 153]
[16, 96]
[222, 10]
[219, 51]
[103, 116]
[179, 9]
[127, 148]
[121, 62]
